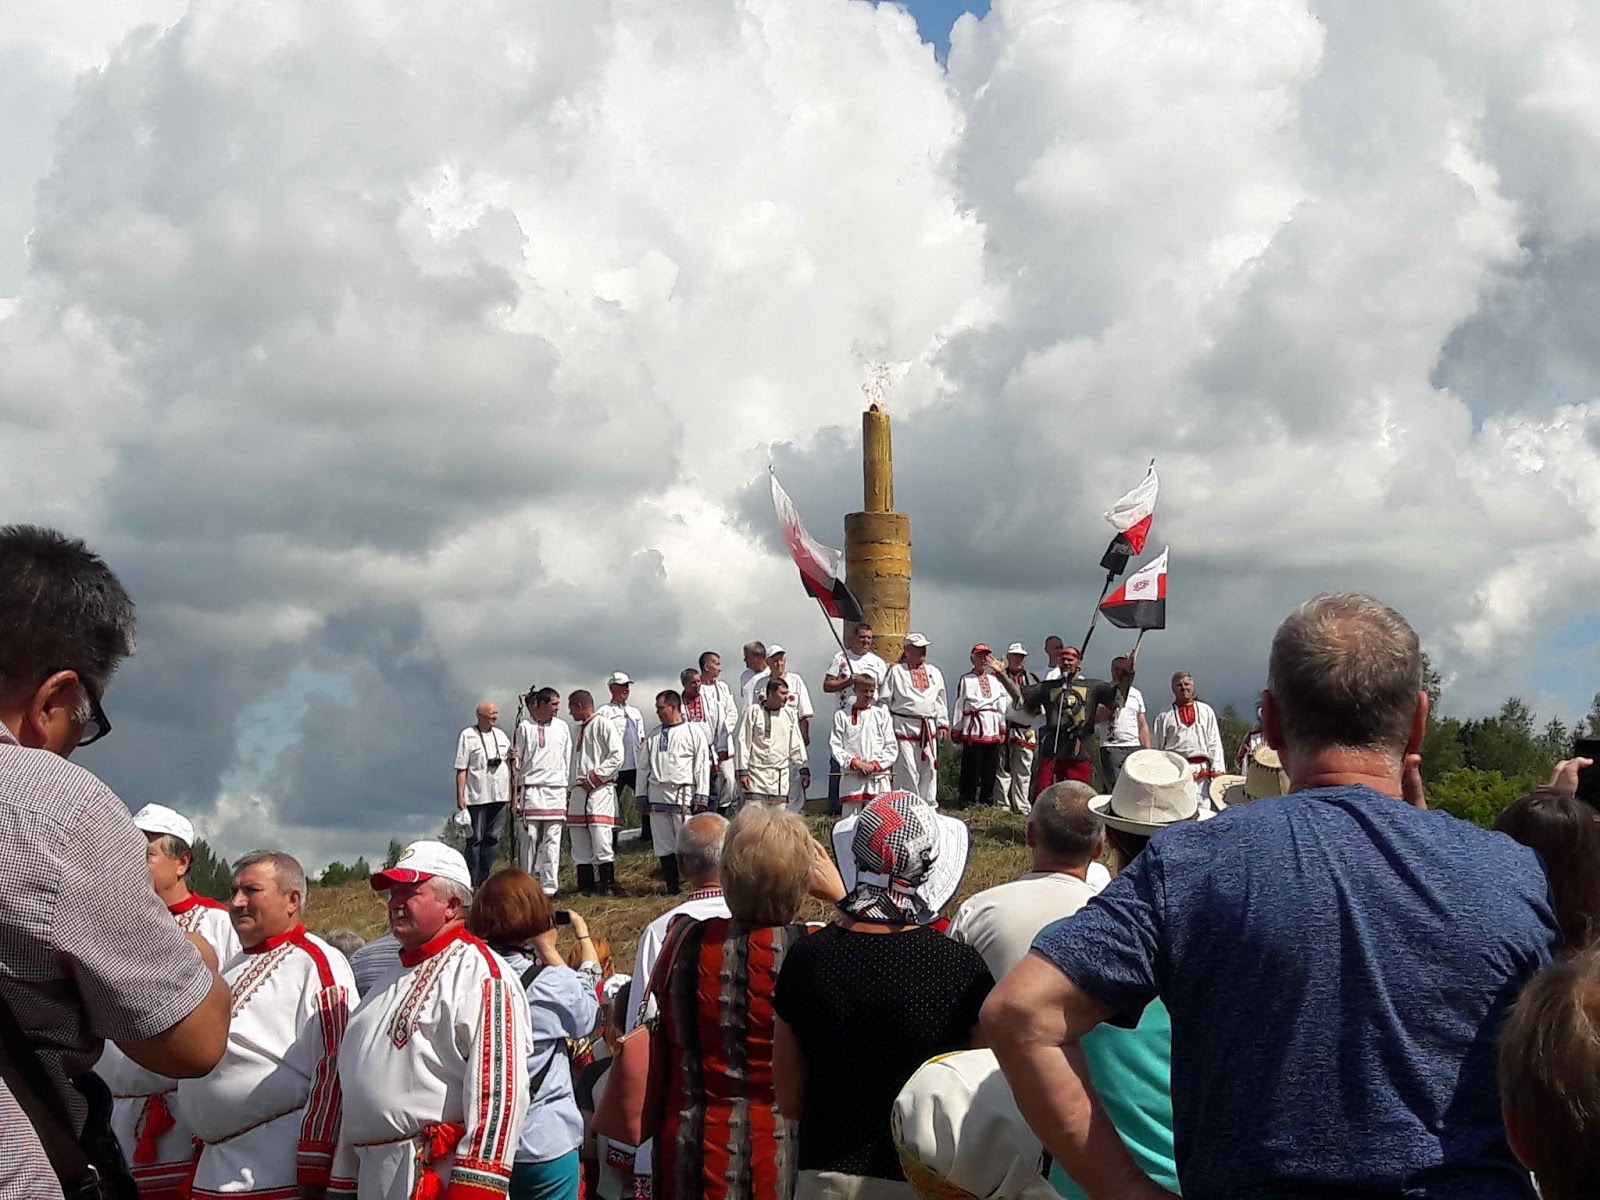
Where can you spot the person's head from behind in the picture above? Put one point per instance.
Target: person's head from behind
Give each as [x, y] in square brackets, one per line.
[66, 624]
[345, 941]
[269, 889]
[617, 1014]
[1062, 833]
[700, 849]
[1565, 833]
[429, 890]
[1550, 1078]
[755, 655]
[1344, 688]
[766, 865]
[509, 910]
[602, 954]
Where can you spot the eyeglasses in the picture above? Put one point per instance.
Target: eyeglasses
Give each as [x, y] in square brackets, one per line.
[99, 724]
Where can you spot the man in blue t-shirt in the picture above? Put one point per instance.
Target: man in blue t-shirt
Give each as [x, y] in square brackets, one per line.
[1337, 962]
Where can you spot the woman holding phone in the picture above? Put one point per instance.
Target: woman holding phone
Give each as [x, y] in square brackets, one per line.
[512, 914]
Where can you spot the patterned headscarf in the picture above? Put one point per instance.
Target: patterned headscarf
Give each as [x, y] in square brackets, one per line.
[895, 845]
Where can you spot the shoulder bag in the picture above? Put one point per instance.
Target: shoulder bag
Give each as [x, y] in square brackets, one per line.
[622, 1114]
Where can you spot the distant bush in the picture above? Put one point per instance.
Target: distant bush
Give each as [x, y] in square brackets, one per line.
[1478, 796]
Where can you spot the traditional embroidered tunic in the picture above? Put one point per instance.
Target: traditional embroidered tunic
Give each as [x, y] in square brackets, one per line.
[144, 1114]
[1192, 731]
[677, 764]
[268, 1115]
[867, 734]
[981, 704]
[705, 709]
[916, 699]
[847, 664]
[592, 803]
[544, 760]
[434, 1069]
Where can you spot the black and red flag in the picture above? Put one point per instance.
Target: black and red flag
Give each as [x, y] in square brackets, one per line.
[1131, 517]
[821, 567]
[1141, 603]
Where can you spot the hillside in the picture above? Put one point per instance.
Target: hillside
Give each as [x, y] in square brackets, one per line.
[998, 854]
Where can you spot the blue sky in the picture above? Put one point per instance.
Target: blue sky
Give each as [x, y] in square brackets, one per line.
[935, 17]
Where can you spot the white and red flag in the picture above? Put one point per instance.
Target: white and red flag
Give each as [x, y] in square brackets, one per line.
[821, 567]
[1141, 603]
[1131, 516]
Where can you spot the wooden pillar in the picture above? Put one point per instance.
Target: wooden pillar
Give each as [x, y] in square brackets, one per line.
[877, 541]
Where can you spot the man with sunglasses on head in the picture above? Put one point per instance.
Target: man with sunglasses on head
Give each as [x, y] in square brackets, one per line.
[78, 971]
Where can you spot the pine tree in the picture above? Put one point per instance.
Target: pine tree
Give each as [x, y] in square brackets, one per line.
[209, 875]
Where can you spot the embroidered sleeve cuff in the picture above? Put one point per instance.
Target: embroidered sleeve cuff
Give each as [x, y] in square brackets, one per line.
[313, 1165]
[474, 1180]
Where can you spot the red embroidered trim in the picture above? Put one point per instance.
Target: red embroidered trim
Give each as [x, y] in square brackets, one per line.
[266, 945]
[260, 969]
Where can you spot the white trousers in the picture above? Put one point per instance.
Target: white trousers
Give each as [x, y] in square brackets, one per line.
[916, 773]
[664, 827]
[592, 844]
[389, 1171]
[539, 852]
[261, 1159]
[1014, 776]
[728, 800]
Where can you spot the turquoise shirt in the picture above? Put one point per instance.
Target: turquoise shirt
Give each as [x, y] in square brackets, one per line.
[1132, 1071]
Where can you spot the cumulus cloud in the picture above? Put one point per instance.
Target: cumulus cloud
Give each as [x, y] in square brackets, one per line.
[400, 357]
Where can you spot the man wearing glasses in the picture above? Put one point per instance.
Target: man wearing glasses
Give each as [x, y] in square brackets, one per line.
[79, 971]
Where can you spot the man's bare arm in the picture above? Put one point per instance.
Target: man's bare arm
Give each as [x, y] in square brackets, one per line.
[194, 1045]
[1033, 1021]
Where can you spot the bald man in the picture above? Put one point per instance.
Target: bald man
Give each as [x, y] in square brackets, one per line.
[483, 786]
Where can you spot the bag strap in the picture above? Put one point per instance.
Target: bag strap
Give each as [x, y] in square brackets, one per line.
[669, 949]
[41, 1103]
[562, 1049]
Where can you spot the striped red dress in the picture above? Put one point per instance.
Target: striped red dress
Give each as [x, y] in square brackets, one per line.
[721, 1134]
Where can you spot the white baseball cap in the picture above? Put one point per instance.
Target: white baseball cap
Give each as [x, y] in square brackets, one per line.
[620, 679]
[914, 639]
[1017, 648]
[424, 860]
[774, 650]
[958, 1132]
[158, 818]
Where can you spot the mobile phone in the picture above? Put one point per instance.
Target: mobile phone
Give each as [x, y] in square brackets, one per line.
[563, 916]
[1589, 777]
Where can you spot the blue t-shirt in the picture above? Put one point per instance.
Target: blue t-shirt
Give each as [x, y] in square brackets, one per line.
[1337, 965]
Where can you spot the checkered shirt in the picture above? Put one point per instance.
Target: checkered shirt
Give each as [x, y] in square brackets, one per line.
[87, 950]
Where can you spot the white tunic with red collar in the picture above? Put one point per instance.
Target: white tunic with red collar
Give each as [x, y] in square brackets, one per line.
[868, 734]
[269, 1113]
[544, 765]
[596, 759]
[435, 1074]
[1192, 731]
[158, 1142]
[705, 709]
[981, 704]
[915, 697]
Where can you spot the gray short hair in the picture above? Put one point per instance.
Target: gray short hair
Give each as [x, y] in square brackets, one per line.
[756, 648]
[700, 847]
[1062, 823]
[345, 941]
[62, 609]
[289, 875]
[446, 889]
[1345, 671]
[172, 846]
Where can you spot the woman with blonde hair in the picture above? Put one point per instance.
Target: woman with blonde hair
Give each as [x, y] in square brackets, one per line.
[718, 1132]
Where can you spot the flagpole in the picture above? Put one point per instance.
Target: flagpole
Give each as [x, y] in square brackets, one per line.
[1083, 650]
[828, 621]
[1139, 639]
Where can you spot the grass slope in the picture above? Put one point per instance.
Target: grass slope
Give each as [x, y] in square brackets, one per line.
[998, 854]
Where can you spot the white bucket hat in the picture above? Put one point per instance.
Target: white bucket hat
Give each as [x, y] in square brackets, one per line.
[1155, 789]
[1264, 778]
[956, 1127]
[158, 818]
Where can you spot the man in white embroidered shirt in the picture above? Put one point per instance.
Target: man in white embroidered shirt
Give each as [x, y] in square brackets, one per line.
[434, 1064]
[268, 1117]
[592, 803]
[768, 747]
[1190, 728]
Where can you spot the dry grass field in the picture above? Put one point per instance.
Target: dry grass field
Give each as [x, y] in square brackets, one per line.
[998, 854]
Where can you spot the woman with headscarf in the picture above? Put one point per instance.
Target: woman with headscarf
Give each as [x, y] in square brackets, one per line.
[719, 1135]
[864, 1001]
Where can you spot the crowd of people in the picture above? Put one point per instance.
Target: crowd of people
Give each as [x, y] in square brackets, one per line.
[712, 747]
[1298, 981]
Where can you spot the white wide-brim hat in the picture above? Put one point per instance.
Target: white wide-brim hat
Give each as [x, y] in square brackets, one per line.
[944, 878]
[159, 819]
[1264, 779]
[1155, 789]
[958, 1132]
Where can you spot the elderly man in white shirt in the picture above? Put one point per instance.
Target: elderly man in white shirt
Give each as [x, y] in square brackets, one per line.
[858, 659]
[1122, 734]
[483, 786]
[630, 725]
[1065, 839]
[756, 656]
[914, 693]
[1190, 728]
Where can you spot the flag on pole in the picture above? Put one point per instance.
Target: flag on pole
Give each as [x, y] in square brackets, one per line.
[821, 567]
[1141, 603]
[1131, 516]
